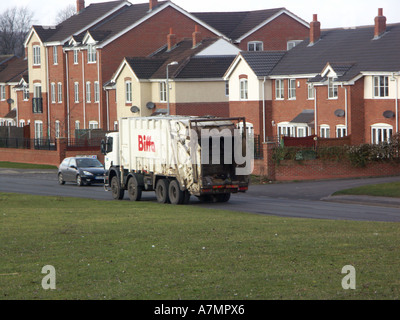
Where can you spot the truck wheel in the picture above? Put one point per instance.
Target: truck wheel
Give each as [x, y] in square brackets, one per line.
[116, 190]
[134, 190]
[223, 197]
[176, 195]
[162, 191]
[186, 197]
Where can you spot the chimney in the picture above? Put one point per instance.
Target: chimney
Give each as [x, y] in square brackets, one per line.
[153, 4]
[80, 5]
[315, 30]
[196, 36]
[171, 40]
[380, 24]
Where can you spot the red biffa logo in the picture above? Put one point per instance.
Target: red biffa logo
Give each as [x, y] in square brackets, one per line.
[145, 144]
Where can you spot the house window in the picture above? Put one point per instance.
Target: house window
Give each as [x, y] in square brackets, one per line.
[292, 43]
[255, 46]
[26, 94]
[381, 86]
[93, 125]
[91, 54]
[57, 129]
[381, 133]
[38, 129]
[36, 55]
[128, 91]
[53, 93]
[292, 88]
[76, 56]
[76, 92]
[59, 91]
[301, 132]
[310, 91]
[55, 55]
[77, 125]
[88, 93]
[163, 91]
[22, 123]
[96, 92]
[37, 101]
[285, 129]
[2, 92]
[341, 131]
[325, 131]
[115, 125]
[279, 89]
[332, 89]
[227, 88]
[244, 89]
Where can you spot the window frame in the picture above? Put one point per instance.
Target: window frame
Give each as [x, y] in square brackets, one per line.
[292, 89]
[96, 91]
[91, 54]
[163, 91]
[37, 59]
[128, 91]
[59, 92]
[310, 89]
[378, 86]
[332, 89]
[2, 92]
[379, 131]
[88, 92]
[53, 92]
[325, 131]
[244, 89]
[342, 130]
[76, 56]
[279, 89]
[257, 46]
[76, 92]
[55, 55]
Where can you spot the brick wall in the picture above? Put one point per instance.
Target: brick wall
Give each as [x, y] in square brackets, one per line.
[289, 170]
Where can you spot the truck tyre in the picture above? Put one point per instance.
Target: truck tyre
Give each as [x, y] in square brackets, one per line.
[223, 197]
[176, 195]
[116, 190]
[134, 190]
[186, 197]
[162, 187]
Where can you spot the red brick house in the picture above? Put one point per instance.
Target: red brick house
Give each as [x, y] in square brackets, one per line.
[338, 82]
[69, 64]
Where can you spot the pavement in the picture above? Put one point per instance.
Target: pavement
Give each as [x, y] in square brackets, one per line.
[365, 200]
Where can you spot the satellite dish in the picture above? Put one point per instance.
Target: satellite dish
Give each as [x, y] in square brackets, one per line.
[388, 114]
[135, 109]
[339, 113]
[10, 101]
[150, 105]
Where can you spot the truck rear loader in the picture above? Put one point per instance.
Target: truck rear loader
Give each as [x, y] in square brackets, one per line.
[176, 157]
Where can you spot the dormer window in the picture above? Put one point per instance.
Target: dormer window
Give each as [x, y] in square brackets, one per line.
[332, 89]
[255, 46]
[381, 86]
[91, 54]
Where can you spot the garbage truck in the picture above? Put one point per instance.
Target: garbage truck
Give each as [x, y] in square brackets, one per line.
[177, 157]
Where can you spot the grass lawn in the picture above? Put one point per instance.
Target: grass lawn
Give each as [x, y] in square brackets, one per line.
[15, 165]
[377, 190]
[143, 250]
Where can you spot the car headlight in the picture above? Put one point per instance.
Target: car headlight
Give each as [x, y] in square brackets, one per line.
[87, 173]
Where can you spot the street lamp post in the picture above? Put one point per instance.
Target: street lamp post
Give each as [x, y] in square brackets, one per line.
[174, 63]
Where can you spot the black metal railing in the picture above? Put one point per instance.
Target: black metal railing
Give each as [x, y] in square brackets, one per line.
[21, 143]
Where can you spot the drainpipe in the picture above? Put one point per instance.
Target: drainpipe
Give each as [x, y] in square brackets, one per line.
[345, 107]
[264, 109]
[98, 84]
[108, 111]
[68, 115]
[315, 112]
[397, 101]
[84, 90]
[48, 93]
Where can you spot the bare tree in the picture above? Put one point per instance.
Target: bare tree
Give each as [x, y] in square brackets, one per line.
[65, 13]
[15, 24]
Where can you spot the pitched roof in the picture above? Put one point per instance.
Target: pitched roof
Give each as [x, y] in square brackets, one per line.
[236, 24]
[262, 62]
[13, 70]
[349, 51]
[205, 67]
[77, 22]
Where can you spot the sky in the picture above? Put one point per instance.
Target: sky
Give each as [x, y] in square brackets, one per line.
[331, 14]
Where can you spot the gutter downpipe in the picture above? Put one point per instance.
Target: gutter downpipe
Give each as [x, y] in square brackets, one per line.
[48, 93]
[68, 113]
[345, 107]
[315, 112]
[83, 91]
[397, 101]
[264, 110]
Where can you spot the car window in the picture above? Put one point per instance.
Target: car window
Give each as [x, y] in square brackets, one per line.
[72, 163]
[88, 163]
[65, 162]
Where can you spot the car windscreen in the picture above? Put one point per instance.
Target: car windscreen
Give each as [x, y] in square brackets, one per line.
[88, 163]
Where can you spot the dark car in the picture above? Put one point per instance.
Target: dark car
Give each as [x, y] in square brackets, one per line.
[82, 170]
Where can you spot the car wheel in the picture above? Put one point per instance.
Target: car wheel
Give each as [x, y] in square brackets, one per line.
[162, 191]
[134, 190]
[61, 179]
[223, 197]
[79, 181]
[176, 195]
[116, 190]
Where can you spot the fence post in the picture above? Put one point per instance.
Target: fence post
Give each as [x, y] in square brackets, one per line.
[62, 144]
[269, 162]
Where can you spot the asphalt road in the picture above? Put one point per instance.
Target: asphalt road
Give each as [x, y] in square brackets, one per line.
[300, 199]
